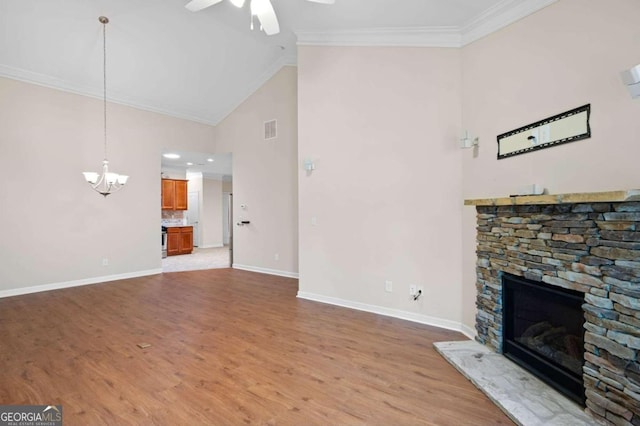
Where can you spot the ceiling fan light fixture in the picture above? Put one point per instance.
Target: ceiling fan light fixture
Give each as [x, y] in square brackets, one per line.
[266, 15]
[259, 6]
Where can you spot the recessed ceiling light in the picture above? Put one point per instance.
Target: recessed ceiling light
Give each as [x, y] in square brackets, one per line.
[171, 156]
[210, 160]
[189, 164]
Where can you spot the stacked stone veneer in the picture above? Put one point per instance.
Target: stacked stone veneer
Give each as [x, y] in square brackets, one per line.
[590, 247]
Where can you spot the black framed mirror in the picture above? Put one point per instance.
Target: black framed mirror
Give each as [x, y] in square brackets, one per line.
[569, 126]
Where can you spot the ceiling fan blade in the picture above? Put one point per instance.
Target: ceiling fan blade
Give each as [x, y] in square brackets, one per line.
[196, 5]
[266, 15]
[323, 1]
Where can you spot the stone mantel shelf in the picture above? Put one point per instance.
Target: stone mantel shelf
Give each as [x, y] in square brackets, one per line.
[584, 197]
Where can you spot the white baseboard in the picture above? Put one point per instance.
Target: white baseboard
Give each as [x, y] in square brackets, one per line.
[395, 313]
[471, 333]
[211, 246]
[265, 270]
[76, 283]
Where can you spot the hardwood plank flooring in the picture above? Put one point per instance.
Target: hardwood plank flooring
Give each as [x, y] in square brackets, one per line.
[228, 347]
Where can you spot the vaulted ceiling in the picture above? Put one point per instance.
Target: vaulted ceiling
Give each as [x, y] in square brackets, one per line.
[200, 66]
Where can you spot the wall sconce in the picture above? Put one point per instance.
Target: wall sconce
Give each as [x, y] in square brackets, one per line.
[631, 78]
[309, 165]
[468, 141]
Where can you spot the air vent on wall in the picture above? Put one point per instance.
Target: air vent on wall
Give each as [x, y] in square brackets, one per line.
[270, 129]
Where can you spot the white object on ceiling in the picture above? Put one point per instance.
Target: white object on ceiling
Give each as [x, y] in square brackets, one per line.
[261, 9]
[220, 168]
[201, 66]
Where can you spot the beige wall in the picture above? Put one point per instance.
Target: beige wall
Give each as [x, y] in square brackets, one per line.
[564, 56]
[382, 125]
[211, 213]
[265, 176]
[56, 229]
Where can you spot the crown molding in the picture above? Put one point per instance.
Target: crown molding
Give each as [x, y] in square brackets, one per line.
[491, 20]
[65, 86]
[393, 37]
[499, 16]
[290, 60]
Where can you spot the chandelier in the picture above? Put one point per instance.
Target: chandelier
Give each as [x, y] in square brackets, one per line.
[107, 182]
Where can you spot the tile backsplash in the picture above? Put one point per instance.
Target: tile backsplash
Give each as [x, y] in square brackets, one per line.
[173, 218]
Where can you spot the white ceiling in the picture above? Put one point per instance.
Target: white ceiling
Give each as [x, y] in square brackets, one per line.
[200, 66]
[219, 168]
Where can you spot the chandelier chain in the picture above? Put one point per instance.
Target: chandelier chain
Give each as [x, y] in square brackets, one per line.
[104, 85]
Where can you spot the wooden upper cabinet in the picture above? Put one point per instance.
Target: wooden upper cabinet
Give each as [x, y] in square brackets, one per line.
[174, 194]
[168, 194]
[181, 195]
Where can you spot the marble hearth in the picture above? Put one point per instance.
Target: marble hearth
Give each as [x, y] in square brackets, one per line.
[585, 242]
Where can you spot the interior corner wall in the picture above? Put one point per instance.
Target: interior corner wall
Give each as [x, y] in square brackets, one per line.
[265, 176]
[564, 56]
[384, 201]
[57, 230]
[211, 217]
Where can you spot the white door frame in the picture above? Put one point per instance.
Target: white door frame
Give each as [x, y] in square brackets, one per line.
[193, 216]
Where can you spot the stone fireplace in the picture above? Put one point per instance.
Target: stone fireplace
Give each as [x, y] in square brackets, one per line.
[589, 243]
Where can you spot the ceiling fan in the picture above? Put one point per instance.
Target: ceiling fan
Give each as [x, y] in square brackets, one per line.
[263, 9]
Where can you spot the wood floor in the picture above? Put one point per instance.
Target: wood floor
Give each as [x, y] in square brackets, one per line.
[228, 347]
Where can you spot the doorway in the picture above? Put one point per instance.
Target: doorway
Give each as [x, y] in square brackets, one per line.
[193, 215]
[208, 209]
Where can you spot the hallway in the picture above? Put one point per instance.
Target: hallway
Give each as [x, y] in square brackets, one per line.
[209, 258]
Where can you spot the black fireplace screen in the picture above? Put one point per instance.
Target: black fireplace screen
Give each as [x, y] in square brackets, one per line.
[543, 332]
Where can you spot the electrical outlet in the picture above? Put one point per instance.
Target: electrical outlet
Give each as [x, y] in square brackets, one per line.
[105, 261]
[388, 286]
[276, 256]
[314, 221]
[412, 290]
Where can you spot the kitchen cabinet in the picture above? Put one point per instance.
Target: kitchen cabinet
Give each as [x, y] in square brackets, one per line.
[168, 194]
[179, 240]
[174, 194]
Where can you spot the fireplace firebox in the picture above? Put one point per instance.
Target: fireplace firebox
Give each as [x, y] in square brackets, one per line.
[543, 332]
